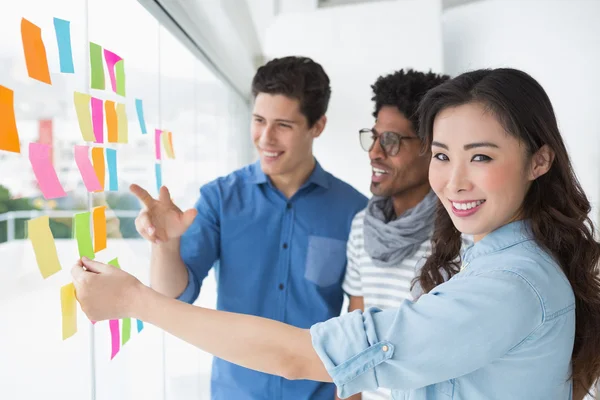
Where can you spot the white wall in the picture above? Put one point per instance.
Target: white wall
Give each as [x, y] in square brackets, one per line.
[356, 44]
[558, 43]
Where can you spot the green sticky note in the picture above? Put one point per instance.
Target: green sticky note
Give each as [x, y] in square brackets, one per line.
[126, 331]
[97, 66]
[120, 77]
[115, 263]
[83, 234]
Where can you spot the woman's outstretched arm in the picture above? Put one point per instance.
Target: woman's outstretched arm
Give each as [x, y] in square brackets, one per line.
[105, 292]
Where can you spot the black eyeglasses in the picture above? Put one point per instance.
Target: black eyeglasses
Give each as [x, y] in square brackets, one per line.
[389, 141]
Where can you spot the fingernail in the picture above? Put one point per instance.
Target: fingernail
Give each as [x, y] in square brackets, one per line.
[84, 258]
[150, 230]
[158, 241]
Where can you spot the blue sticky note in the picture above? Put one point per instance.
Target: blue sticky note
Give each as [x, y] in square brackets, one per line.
[140, 326]
[158, 172]
[63, 37]
[140, 113]
[111, 160]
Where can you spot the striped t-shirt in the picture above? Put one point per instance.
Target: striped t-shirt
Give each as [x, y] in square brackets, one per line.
[381, 287]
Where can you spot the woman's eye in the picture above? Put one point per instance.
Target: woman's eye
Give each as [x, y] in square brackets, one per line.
[481, 158]
[440, 156]
[285, 126]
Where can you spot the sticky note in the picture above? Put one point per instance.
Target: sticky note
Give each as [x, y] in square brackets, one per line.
[157, 134]
[99, 218]
[68, 304]
[167, 142]
[114, 262]
[114, 337]
[83, 235]
[123, 123]
[99, 166]
[111, 121]
[84, 117]
[9, 135]
[63, 38]
[113, 179]
[97, 66]
[45, 174]
[158, 173]
[126, 328]
[90, 179]
[44, 247]
[35, 52]
[120, 72]
[140, 326]
[98, 119]
[111, 59]
[139, 106]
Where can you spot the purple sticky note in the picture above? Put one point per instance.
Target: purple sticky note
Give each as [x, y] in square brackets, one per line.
[111, 59]
[98, 119]
[115, 337]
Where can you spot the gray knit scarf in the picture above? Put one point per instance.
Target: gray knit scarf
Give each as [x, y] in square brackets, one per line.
[389, 239]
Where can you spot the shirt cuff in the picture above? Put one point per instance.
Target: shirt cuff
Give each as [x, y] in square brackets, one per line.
[350, 351]
[192, 290]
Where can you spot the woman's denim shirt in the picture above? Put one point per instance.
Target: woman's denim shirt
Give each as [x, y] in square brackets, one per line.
[502, 328]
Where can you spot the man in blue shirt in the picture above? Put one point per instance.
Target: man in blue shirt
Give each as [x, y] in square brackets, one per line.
[275, 230]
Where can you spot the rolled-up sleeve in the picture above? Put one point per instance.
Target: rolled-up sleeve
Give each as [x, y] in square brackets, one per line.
[455, 329]
[200, 244]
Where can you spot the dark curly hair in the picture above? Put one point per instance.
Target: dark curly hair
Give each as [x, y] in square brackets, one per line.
[555, 204]
[404, 89]
[298, 78]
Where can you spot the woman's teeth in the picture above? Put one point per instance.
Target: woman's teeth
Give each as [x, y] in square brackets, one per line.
[467, 206]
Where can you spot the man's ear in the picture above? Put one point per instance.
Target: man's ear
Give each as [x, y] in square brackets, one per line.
[541, 162]
[319, 126]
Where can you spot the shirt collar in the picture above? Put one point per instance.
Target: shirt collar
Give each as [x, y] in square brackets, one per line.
[318, 176]
[502, 238]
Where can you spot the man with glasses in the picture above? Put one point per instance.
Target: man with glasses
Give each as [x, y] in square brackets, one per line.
[393, 233]
[276, 229]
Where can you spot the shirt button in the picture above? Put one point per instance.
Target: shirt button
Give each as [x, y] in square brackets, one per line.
[281, 286]
[385, 349]
[289, 205]
[285, 246]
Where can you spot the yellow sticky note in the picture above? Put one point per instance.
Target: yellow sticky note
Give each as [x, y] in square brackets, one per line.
[122, 123]
[84, 115]
[69, 311]
[44, 247]
[99, 217]
[167, 142]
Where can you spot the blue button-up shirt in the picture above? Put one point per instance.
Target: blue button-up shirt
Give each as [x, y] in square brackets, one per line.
[503, 328]
[278, 258]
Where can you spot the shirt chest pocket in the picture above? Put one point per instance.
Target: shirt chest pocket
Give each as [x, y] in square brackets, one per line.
[325, 260]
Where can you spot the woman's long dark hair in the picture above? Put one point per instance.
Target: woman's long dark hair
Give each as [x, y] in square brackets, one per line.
[555, 204]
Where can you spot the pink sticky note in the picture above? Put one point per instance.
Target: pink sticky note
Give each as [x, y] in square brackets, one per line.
[111, 59]
[98, 119]
[86, 169]
[39, 156]
[115, 337]
[157, 133]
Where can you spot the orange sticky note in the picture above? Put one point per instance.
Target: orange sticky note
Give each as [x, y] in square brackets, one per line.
[44, 247]
[35, 52]
[99, 165]
[69, 311]
[111, 121]
[9, 136]
[99, 217]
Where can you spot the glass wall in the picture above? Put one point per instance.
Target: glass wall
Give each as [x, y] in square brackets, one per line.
[208, 125]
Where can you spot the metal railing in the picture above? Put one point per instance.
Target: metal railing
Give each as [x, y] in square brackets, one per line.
[11, 216]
